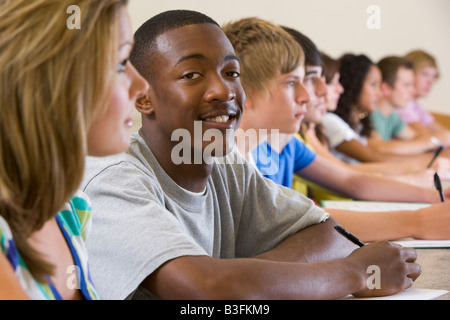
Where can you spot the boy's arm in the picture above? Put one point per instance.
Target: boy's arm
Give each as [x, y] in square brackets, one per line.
[364, 186]
[432, 222]
[191, 277]
[360, 152]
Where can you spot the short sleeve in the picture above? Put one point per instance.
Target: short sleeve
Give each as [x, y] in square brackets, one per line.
[77, 214]
[399, 125]
[132, 232]
[303, 155]
[414, 112]
[337, 130]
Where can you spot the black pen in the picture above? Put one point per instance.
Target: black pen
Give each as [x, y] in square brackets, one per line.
[349, 236]
[438, 185]
[436, 154]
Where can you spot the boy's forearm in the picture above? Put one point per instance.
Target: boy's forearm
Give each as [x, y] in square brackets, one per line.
[315, 243]
[207, 278]
[375, 188]
[374, 226]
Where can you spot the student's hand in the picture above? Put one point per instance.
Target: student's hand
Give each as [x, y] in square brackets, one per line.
[433, 222]
[441, 165]
[444, 137]
[386, 268]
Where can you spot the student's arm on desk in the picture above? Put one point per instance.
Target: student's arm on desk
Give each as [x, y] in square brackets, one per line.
[364, 186]
[191, 277]
[432, 222]
[411, 145]
[360, 152]
[10, 288]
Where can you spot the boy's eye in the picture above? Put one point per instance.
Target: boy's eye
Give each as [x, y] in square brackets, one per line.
[233, 74]
[192, 76]
[308, 80]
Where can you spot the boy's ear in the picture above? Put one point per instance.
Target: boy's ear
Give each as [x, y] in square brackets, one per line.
[385, 89]
[143, 104]
[248, 103]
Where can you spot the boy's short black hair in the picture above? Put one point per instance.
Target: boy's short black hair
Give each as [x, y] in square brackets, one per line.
[145, 37]
[313, 56]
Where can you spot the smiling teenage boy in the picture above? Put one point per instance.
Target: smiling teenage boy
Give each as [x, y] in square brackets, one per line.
[212, 230]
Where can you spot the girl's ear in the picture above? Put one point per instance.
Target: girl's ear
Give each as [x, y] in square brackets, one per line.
[143, 105]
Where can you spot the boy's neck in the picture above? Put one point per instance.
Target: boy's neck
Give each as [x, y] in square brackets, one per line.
[386, 107]
[248, 138]
[190, 176]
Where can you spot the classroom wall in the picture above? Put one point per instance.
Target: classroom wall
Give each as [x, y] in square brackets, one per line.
[339, 26]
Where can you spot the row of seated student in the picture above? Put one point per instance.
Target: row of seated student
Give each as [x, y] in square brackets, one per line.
[87, 212]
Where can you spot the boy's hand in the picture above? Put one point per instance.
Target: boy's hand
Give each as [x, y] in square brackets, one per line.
[394, 264]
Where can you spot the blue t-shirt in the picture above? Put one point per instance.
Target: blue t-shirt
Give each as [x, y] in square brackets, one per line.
[280, 168]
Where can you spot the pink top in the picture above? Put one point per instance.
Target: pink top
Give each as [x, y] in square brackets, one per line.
[414, 112]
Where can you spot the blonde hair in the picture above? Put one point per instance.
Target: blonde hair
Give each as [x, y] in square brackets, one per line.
[53, 82]
[422, 59]
[264, 50]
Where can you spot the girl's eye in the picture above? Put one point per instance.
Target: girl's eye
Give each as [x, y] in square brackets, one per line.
[121, 67]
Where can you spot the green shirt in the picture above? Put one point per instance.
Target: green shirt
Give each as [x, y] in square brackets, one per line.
[388, 127]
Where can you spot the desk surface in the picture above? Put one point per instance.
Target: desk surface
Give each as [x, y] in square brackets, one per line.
[435, 265]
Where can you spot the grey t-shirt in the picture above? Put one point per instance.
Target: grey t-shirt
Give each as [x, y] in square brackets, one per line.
[142, 218]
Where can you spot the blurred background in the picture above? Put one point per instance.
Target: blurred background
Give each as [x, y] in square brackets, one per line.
[341, 26]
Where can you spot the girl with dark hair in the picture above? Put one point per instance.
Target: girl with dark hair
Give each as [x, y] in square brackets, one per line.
[312, 134]
[348, 129]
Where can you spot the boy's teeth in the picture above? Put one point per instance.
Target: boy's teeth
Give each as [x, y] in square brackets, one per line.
[218, 119]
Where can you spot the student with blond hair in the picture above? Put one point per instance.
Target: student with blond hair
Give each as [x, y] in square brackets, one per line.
[426, 73]
[64, 94]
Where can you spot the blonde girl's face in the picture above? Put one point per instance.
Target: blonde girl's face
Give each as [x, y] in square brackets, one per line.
[424, 81]
[109, 133]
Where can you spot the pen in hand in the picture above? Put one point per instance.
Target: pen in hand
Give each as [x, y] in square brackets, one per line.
[349, 236]
[438, 185]
[436, 154]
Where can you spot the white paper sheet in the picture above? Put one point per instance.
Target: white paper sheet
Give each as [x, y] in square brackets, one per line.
[408, 294]
[389, 206]
[372, 205]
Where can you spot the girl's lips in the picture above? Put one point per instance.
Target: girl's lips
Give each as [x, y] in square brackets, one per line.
[299, 116]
